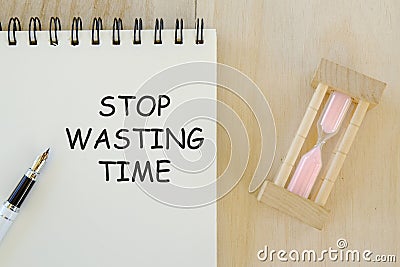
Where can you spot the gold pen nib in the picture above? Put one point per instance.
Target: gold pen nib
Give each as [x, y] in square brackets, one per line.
[39, 162]
[45, 155]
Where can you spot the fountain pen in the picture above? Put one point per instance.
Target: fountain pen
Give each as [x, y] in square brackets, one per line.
[10, 209]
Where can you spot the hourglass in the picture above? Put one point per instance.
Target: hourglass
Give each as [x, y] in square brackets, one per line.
[328, 125]
[295, 189]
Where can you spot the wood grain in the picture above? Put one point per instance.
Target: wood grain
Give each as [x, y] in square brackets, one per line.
[301, 208]
[127, 10]
[351, 82]
[279, 44]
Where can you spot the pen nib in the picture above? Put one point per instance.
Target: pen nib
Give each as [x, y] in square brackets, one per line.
[46, 154]
[39, 162]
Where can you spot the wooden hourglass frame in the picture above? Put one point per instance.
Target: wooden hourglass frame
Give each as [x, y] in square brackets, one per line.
[365, 93]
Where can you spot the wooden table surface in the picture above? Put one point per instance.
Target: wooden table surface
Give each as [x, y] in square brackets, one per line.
[278, 44]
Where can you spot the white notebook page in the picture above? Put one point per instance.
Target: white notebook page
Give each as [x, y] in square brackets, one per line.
[73, 216]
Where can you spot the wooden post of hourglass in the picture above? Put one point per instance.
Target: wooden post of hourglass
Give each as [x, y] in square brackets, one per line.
[339, 155]
[302, 132]
[365, 92]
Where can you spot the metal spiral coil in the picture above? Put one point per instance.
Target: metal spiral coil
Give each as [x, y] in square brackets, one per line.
[76, 26]
[117, 27]
[13, 25]
[200, 31]
[137, 29]
[34, 25]
[56, 23]
[179, 31]
[97, 26]
[158, 27]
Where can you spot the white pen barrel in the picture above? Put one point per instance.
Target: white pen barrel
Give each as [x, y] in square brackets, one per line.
[7, 217]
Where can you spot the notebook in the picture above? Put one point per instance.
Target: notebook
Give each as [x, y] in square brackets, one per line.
[99, 107]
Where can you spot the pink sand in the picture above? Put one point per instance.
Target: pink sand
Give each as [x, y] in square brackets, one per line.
[310, 164]
[335, 112]
[306, 173]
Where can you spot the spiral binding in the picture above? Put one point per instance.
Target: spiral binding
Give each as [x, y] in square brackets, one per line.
[158, 27]
[137, 29]
[16, 26]
[76, 26]
[54, 21]
[179, 28]
[200, 31]
[97, 26]
[117, 26]
[35, 25]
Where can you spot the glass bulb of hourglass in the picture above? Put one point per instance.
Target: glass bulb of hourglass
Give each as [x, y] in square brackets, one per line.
[328, 125]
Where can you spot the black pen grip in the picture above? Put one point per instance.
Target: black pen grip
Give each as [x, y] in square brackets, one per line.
[21, 191]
